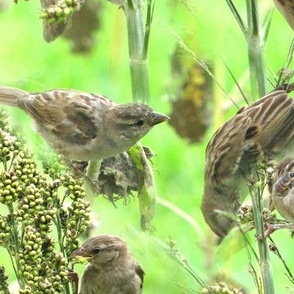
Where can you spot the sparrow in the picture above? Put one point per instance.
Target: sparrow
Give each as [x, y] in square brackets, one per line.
[83, 126]
[286, 7]
[283, 189]
[112, 268]
[259, 131]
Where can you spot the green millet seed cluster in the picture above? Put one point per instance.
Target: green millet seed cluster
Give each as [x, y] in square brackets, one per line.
[61, 11]
[3, 281]
[245, 216]
[220, 288]
[42, 268]
[42, 215]
[75, 218]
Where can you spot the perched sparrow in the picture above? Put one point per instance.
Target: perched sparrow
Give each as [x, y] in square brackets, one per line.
[261, 130]
[83, 126]
[283, 189]
[111, 269]
[286, 7]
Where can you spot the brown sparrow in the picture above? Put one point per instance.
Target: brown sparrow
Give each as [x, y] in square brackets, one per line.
[286, 7]
[83, 126]
[111, 269]
[283, 189]
[261, 130]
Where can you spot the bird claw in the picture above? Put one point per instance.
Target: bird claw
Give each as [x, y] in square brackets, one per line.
[74, 278]
[270, 228]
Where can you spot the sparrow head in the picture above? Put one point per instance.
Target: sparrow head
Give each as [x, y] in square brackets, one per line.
[111, 268]
[102, 250]
[130, 122]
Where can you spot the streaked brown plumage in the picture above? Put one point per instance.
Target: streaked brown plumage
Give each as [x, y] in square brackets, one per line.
[83, 126]
[263, 129]
[286, 7]
[111, 269]
[283, 189]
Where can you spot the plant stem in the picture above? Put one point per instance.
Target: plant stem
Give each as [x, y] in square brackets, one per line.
[237, 16]
[147, 193]
[149, 18]
[264, 261]
[93, 169]
[255, 42]
[138, 38]
[258, 86]
[137, 50]
[15, 240]
[255, 50]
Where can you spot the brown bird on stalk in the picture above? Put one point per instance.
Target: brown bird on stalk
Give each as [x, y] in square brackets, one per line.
[259, 131]
[286, 7]
[83, 126]
[111, 269]
[283, 189]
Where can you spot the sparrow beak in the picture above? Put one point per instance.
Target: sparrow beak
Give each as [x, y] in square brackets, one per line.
[158, 118]
[80, 252]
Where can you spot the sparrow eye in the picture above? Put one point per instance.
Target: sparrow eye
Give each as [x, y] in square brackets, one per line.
[96, 250]
[139, 123]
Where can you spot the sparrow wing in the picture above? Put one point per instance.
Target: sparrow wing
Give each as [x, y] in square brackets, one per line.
[274, 113]
[225, 149]
[71, 115]
[47, 108]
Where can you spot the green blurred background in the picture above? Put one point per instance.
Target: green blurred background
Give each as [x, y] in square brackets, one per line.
[28, 62]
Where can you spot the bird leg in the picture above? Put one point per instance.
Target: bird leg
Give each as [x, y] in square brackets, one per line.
[91, 178]
[270, 228]
[74, 278]
[93, 170]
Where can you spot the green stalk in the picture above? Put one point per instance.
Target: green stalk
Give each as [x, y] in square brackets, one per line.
[256, 191]
[237, 16]
[255, 42]
[15, 240]
[258, 86]
[134, 12]
[138, 38]
[255, 50]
